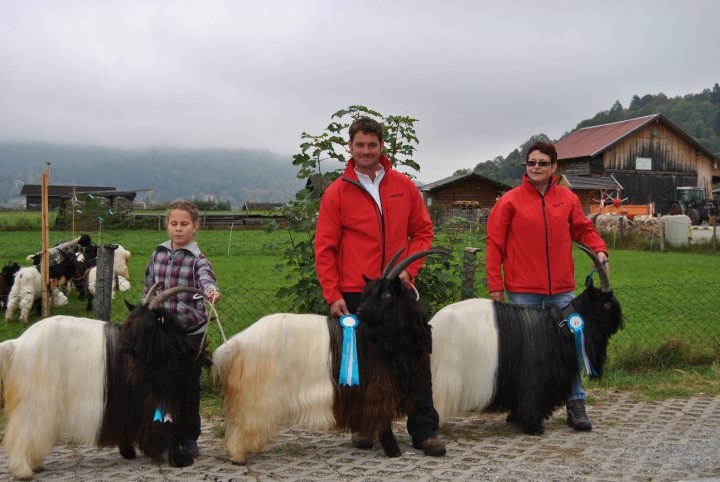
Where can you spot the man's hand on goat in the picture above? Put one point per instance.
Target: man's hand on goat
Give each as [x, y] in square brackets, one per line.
[339, 308]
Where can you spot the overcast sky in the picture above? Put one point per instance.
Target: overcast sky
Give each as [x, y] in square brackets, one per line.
[480, 76]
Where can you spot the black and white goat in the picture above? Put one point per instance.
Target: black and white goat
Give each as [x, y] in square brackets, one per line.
[77, 379]
[285, 368]
[496, 356]
[7, 278]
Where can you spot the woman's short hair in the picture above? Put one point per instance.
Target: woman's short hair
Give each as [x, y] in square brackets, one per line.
[544, 147]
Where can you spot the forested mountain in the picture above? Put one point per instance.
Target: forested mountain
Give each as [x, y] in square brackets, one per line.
[696, 114]
[236, 175]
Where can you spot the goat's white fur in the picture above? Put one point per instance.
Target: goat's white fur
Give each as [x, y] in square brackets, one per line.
[465, 347]
[121, 259]
[122, 282]
[277, 371]
[25, 290]
[57, 369]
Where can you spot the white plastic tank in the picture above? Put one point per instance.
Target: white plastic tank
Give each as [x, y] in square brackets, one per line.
[677, 229]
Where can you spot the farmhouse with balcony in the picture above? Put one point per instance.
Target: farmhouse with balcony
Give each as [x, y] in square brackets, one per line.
[646, 157]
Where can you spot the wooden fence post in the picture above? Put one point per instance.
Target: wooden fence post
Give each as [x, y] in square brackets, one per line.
[104, 281]
[470, 264]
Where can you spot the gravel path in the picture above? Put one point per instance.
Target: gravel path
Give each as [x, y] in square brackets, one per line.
[675, 439]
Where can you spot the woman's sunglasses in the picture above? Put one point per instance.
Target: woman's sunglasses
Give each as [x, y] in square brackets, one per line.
[538, 163]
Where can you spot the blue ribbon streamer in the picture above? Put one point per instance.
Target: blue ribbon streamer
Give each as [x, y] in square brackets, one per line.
[576, 324]
[349, 375]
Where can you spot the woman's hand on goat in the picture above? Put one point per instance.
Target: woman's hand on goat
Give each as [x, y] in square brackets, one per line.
[603, 257]
[497, 295]
[339, 308]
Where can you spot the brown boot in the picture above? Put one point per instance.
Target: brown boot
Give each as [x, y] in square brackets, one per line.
[431, 446]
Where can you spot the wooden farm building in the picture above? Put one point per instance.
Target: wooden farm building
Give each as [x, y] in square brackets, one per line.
[56, 193]
[647, 157]
[466, 190]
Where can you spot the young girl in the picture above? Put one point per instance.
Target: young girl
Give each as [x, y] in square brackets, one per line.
[179, 262]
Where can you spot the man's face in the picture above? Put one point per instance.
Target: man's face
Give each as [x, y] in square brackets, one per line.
[366, 150]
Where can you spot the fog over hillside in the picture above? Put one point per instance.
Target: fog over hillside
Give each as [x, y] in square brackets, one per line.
[235, 175]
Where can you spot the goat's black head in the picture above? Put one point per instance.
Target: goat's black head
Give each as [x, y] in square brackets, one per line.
[601, 312]
[9, 270]
[386, 300]
[155, 340]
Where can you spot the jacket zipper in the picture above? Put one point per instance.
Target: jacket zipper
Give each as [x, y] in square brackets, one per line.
[377, 213]
[547, 248]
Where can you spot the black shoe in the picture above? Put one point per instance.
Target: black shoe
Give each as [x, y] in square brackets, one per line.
[191, 448]
[431, 446]
[576, 416]
[359, 441]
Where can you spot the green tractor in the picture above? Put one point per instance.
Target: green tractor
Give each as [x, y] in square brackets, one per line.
[692, 202]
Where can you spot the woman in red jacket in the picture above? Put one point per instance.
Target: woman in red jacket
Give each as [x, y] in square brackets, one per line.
[530, 232]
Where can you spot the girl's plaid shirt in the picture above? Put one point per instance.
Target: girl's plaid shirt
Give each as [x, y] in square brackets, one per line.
[186, 266]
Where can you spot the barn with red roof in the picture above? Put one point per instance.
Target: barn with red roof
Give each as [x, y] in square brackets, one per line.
[646, 157]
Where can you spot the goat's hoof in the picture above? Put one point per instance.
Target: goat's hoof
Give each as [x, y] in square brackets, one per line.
[392, 451]
[238, 462]
[127, 451]
[534, 430]
[180, 459]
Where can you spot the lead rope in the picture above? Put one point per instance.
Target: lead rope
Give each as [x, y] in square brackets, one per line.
[215, 315]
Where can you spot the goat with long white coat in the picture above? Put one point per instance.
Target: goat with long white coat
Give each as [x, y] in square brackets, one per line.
[284, 369]
[25, 290]
[496, 356]
[81, 380]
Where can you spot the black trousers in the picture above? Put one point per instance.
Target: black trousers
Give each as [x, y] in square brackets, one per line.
[424, 421]
[195, 389]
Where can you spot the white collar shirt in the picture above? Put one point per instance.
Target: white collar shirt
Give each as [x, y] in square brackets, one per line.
[372, 186]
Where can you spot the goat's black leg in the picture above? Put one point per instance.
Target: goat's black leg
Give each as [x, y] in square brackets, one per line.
[127, 450]
[89, 302]
[532, 427]
[389, 444]
[177, 457]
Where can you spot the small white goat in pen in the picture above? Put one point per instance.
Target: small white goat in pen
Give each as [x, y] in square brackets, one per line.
[284, 369]
[69, 379]
[27, 288]
[496, 356]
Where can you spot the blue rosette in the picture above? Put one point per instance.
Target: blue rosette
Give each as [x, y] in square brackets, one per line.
[349, 375]
[576, 323]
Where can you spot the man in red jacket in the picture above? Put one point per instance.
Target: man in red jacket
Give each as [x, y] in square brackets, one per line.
[366, 216]
[530, 232]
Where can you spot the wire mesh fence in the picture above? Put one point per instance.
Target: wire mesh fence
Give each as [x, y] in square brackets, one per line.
[687, 311]
[684, 315]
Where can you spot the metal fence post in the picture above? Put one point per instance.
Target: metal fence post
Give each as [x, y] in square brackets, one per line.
[470, 264]
[103, 281]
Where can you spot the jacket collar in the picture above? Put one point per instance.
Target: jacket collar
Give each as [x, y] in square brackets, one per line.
[350, 168]
[192, 247]
[526, 184]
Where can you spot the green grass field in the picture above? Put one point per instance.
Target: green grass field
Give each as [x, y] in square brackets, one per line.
[670, 301]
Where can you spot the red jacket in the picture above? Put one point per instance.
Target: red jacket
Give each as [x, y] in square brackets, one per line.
[530, 236]
[354, 238]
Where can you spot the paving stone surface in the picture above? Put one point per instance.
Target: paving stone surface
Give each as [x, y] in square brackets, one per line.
[633, 440]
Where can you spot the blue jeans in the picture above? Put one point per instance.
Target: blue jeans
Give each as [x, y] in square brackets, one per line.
[543, 301]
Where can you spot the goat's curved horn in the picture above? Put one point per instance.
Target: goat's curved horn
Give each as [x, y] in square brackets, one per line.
[159, 299]
[151, 292]
[389, 266]
[604, 279]
[411, 259]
